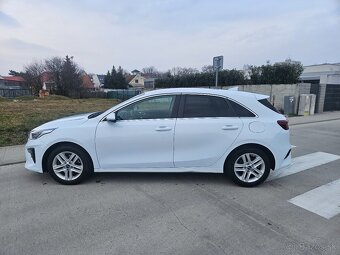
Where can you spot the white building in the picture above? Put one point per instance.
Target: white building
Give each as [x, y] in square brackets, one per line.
[149, 83]
[95, 80]
[323, 74]
[136, 80]
[325, 84]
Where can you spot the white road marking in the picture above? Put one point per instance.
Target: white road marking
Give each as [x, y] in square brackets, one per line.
[303, 163]
[293, 146]
[324, 200]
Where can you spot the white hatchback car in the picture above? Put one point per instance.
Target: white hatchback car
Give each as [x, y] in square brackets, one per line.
[169, 130]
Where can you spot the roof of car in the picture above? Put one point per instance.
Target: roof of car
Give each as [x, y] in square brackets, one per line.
[224, 92]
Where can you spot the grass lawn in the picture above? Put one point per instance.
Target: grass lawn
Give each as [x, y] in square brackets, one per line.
[19, 117]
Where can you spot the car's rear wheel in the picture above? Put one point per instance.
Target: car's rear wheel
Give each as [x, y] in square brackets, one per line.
[68, 164]
[248, 167]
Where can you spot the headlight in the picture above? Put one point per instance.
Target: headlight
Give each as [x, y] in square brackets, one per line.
[39, 133]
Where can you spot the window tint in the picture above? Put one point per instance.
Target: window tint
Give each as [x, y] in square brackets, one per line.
[153, 108]
[240, 110]
[206, 106]
[266, 103]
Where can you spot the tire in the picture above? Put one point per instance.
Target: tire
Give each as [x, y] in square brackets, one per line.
[69, 164]
[248, 167]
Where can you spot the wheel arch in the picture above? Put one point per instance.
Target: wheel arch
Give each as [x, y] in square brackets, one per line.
[252, 145]
[52, 147]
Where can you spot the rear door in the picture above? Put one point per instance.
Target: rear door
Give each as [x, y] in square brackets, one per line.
[206, 127]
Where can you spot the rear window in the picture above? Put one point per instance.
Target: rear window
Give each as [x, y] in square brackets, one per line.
[240, 110]
[266, 103]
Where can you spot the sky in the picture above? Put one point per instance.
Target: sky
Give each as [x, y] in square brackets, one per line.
[168, 33]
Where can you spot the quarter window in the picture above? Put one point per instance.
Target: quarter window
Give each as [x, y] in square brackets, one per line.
[197, 106]
[266, 103]
[240, 110]
[152, 108]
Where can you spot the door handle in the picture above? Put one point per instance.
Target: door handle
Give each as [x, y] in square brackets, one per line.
[230, 127]
[163, 128]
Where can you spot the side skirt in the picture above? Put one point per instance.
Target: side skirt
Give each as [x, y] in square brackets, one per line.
[160, 170]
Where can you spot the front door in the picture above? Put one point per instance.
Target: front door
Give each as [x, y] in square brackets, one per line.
[142, 136]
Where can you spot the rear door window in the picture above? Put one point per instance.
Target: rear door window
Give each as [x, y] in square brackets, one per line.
[201, 106]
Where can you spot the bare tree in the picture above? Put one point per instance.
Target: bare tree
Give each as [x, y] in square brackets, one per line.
[66, 75]
[180, 71]
[207, 69]
[33, 74]
[151, 71]
[54, 67]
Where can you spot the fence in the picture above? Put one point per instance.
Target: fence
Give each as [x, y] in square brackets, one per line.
[12, 93]
[93, 94]
[122, 94]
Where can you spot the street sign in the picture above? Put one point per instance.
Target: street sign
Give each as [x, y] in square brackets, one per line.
[218, 63]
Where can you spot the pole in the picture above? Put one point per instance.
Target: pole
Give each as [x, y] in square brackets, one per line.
[216, 81]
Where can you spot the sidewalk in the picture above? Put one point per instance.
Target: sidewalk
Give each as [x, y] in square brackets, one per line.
[15, 154]
[12, 154]
[318, 117]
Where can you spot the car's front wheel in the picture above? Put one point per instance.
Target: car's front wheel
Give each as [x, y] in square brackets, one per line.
[68, 164]
[248, 167]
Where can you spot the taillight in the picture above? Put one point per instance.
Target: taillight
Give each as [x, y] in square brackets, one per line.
[283, 124]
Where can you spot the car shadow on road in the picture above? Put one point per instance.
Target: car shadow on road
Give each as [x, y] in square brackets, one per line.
[142, 178]
[158, 178]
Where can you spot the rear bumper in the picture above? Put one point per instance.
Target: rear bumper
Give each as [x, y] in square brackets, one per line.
[287, 161]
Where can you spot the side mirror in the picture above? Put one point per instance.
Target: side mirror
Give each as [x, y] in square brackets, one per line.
[111, 117]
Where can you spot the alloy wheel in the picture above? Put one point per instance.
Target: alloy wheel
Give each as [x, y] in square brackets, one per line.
[249, 167]
[67, 165]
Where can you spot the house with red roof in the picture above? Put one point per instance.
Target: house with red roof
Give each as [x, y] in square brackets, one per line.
[12, 82]
[87, 82]
[49, 84]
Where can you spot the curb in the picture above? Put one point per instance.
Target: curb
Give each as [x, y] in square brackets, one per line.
[12, 154]
[12, 163]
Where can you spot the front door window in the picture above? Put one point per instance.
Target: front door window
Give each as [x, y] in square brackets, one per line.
[152, 108]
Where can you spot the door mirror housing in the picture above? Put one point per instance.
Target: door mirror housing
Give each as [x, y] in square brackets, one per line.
[111, 117]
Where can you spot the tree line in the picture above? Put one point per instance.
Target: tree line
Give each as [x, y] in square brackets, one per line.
[230, 77]
[287, 72]
[278, 73]
[67, 76]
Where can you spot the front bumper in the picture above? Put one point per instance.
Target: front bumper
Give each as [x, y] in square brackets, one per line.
[34, 153]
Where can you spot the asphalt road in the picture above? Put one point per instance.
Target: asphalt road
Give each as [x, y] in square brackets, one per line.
[171, 213]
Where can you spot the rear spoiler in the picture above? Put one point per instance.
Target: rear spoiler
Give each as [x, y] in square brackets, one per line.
[260, 96]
